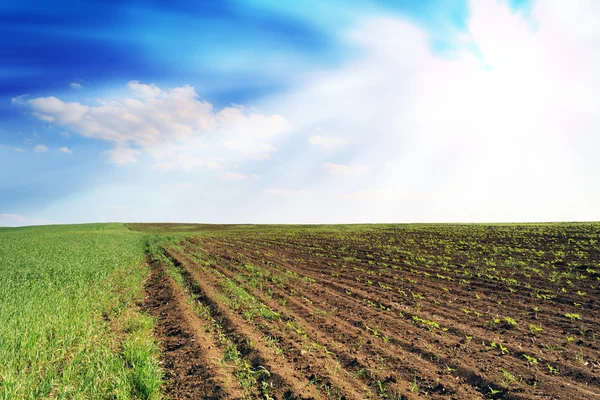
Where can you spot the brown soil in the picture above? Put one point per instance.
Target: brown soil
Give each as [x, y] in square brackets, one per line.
[188, 354]
[367, 316]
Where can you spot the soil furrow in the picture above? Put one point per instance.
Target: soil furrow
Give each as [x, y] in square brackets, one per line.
[187, 356]
[289, 383]
[576, 374]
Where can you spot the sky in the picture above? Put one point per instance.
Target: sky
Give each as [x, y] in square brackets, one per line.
[329, 111]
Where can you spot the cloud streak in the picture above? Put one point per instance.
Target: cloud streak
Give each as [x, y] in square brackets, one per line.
[327, 142]
[345, 170]
[503, 133]
[153, 119]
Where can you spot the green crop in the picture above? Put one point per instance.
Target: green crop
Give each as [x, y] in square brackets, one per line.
[64, 332]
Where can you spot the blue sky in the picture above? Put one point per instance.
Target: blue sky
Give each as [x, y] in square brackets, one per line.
[313, 111]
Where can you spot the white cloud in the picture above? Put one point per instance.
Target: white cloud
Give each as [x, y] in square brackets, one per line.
[75, 85]
[144, 90]
[40, 148]
[122, 155]
[328, 142]
[17, 149]
[505, 133]
[288, 192]
[346, 170]
[45, 118]
[187, 162]
[186, 155]
[19, 99]
[65, 150]
[259, 150]
[369, 195]
[174, 118]
[233, 176]
[251, 125]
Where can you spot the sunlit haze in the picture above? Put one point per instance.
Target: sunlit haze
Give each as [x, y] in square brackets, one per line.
[263, 112]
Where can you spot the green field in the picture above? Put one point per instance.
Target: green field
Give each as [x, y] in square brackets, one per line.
[69, 325]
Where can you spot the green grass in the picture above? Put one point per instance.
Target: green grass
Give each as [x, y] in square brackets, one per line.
[69, 327]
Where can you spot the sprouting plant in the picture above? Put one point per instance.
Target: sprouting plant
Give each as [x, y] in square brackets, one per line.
[552, 347]
[507, 378]
[430, 325]
[493, 322]
[534, 328]
[511, 322]
[553, 370]
[375, 332]
[414, 386]
[493, 391]
[573, 317]
[381, 389]
[530, 359]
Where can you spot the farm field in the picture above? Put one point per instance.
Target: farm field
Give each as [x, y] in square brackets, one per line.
[69, 324]
[377, 311]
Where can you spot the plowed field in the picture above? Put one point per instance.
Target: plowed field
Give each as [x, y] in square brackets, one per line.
[445, 312]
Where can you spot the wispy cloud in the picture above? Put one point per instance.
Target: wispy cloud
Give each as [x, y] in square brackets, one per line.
[122, 155]
[65, 150]
[328, 142]
[154, 119]
[19, 99]
[288, 192]
[233, 176]
[40, 148]
[346, 170]
[75, 85]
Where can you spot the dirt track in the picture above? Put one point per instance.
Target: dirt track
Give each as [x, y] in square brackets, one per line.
[353, 317]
